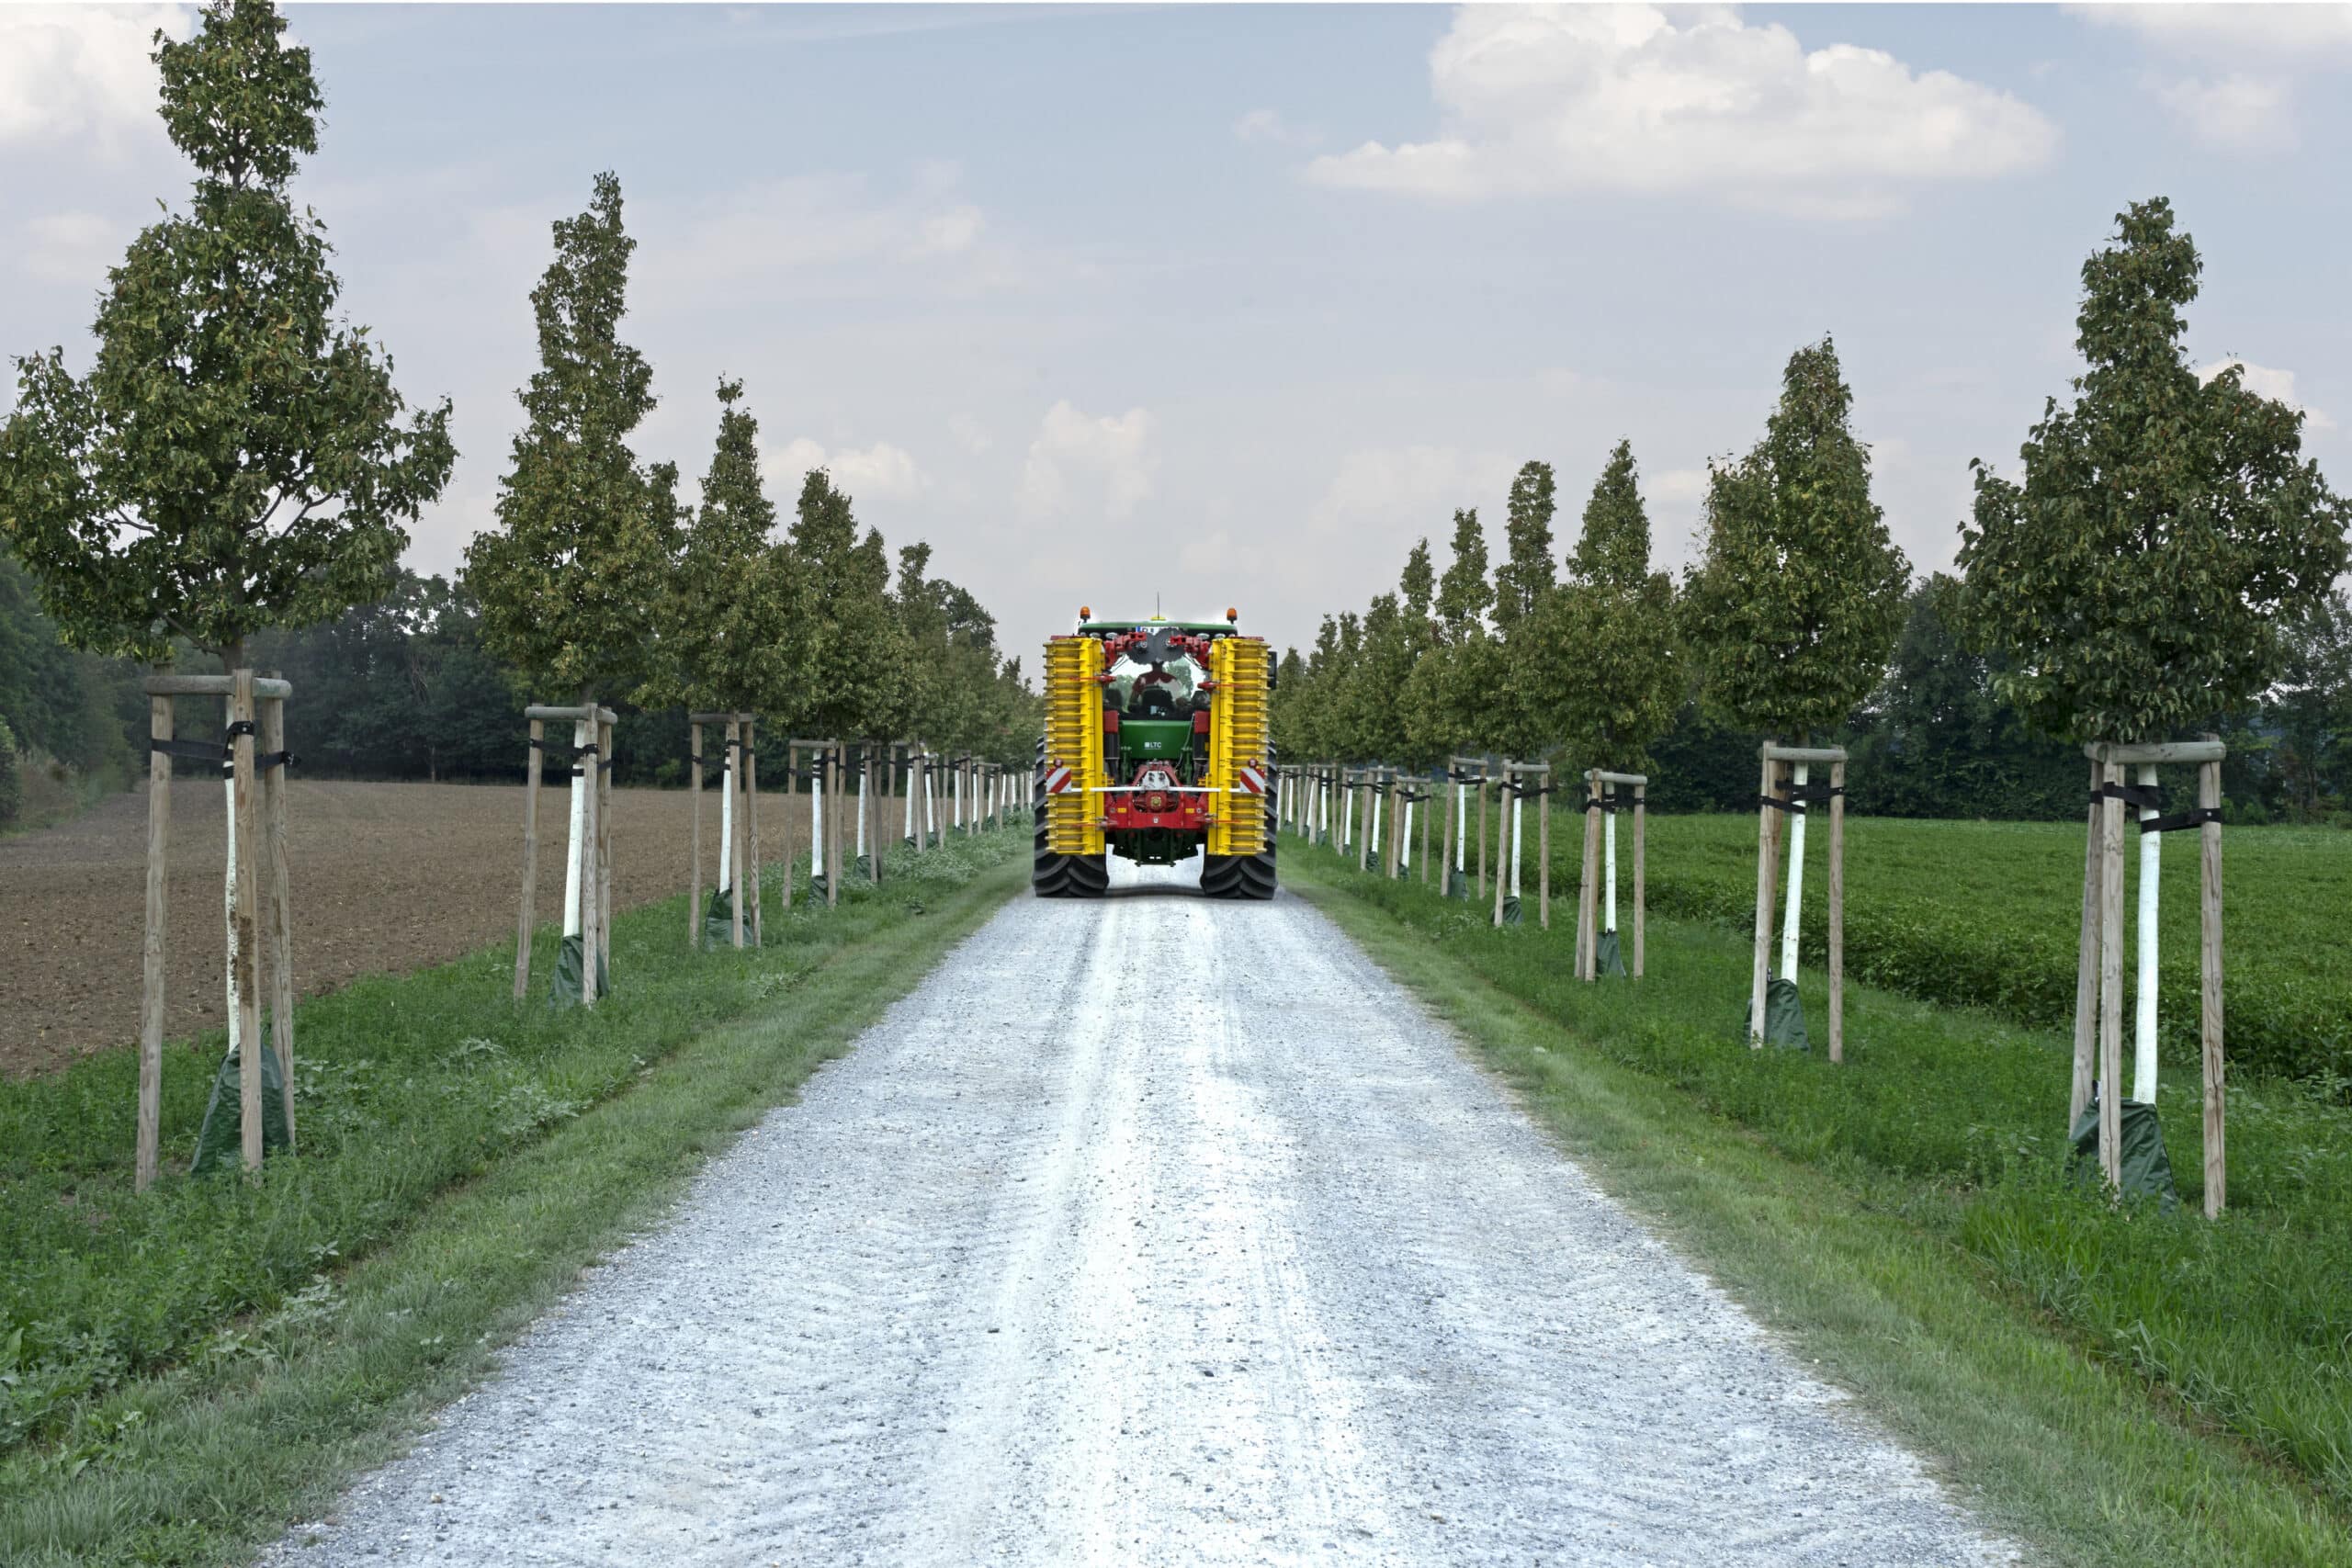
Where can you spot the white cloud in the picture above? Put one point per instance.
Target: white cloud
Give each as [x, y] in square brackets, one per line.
[1383, 488]
[81, 71]
[2237, 112]
[73, 247]
[2285, 33]
[806, 226]
[2249, 106]
[958, 228]
[1267, 125]
[2276, 385]
[879, 472]
[1547, 99]
[1101, 467]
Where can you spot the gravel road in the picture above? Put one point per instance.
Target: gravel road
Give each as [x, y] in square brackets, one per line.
[1154, 1230]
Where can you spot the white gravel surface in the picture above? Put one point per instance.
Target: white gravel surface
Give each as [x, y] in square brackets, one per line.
[1151, 1231]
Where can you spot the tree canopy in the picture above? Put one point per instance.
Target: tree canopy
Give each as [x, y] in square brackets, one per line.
[861, 680]
[1792, 608]
[570, 578]
[2165, 529]
[1610, 634]
[236, 458]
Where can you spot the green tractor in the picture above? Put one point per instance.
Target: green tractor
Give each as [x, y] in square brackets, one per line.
[1157, 747]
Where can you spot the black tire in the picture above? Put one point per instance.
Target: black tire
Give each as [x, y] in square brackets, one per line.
[1053, 876]
[1244, 876]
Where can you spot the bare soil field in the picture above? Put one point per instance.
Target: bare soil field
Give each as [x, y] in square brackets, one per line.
[385, 876]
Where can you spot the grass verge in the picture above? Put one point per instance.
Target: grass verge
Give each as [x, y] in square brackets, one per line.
[266, 1411]
[2085, 1371]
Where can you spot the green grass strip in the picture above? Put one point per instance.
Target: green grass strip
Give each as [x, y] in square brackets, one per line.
[264, 1425]
[1853, 1265]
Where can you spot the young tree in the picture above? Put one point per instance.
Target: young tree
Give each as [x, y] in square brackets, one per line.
[1792, 610]
[2311, 706]
[236, 457]
[1620, 674]
[572, 578]
[1519, 717]
[2136, 582]
[2165, 529]
[861, 680]
[1449, 695]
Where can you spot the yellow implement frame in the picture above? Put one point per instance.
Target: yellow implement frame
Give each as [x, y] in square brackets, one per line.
[1074, 740]
[1239, 720]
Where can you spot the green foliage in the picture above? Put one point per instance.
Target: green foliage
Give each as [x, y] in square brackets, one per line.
[1609, 635]
[571, 578]
[736, 635]
[1794, 607]
[12, 788]
[68, 705]
[1953, 1120]
[233, 460]
[1521, 712]
[2310, 709]
[966, 698]
[2136, 581]
[1451, 689]
[862, 683]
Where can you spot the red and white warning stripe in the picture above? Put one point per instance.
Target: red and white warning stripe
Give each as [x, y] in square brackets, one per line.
[1058, 781]
[1252, 781]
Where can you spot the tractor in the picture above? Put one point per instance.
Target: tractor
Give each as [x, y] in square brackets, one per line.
[1157, 747]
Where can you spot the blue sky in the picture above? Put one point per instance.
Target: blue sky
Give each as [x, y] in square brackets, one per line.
[1231, 303]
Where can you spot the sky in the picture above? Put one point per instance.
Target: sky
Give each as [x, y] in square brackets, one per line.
[1229, 305]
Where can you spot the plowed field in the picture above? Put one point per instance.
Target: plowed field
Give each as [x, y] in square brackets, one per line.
[384, 876]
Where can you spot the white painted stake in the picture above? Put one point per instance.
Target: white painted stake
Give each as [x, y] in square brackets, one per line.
[1372, 832]
[578, 847]
[2143, 1037]
[1609, 860]
[1518, 827]
[911, 800]
[727, 820]
[817, 819]
[1461, 827]
[930, 807]
[1404, 856]
[229, 908]
[1796, 887]
[860, 810]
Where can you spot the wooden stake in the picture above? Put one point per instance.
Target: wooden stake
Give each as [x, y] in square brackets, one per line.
[589, 767]
[1425, 847]
[2209, 796]
[1837, 911]
[2111, 981]
[602, 780]
[1544, 853]
[1502, 847]
[247, 805]
[2086, 962]
[833, 828]
[694, 881]
[1767, 880]
[1640, 890]
[151, 994]
[281, 916]
[1482, 828]
[751, 824]
[528, 917]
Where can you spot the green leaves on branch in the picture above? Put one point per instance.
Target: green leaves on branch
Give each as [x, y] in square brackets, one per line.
[2136, 579]
[1616, 665]
[582, 527]
[235, 459]
[1793, 609]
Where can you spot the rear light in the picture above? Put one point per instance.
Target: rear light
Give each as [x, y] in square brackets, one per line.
[1110, 721]
[1201, 722]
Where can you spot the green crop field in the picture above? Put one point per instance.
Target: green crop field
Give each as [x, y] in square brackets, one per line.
[1985, 914]
[1953, 1116]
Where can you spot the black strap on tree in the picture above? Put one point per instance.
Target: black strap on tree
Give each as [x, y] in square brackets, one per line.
[1800, 796]
[2151, 797]
[191, 750]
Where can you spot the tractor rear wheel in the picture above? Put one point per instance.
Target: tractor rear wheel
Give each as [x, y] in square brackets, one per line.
[1054, 876]
[1243, 876]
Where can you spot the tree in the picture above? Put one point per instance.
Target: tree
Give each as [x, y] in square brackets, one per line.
[1451, 692]
[861, 682]
[737, 589]
[1519, 714]
[2312, 709]
[1611, 650]
[571, 579]
[2165, 529]
[1792, 608]
[234, 459]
